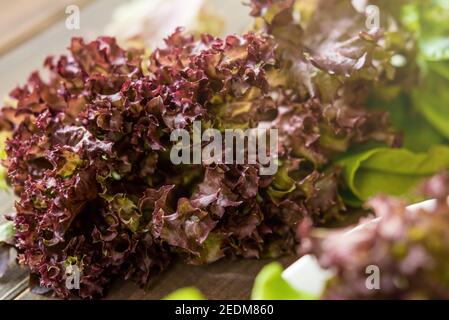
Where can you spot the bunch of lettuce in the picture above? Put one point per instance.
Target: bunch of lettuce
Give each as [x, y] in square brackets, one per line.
[89, 159]
[88, 153]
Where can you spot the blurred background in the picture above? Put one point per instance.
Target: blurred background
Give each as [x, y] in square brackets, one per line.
[32, 30]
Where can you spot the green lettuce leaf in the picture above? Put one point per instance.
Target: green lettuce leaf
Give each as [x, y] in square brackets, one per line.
[429, 19]
[390, 171]
[419, 135]
[432, 100]
[269, 285]
[188, 293]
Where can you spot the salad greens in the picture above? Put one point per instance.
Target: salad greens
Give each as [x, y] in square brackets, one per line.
[391, 171]
[430, 21]
[359, 110]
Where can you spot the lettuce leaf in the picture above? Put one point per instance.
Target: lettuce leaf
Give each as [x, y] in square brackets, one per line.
[269, 285]
[429, 20]
[188, 293]
[389, 171]
[418, 133]
[432, 100]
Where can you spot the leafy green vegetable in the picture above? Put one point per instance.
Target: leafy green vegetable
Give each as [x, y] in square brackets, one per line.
[269, 285]
[390, 171]
[188, 293]
[432, 100]
[429, 20]
[418, 134]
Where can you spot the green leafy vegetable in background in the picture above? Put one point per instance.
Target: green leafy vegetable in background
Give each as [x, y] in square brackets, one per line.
[269, 285]
[432, 100]
[418, 133]
[429, 19]
[188, 293]
[390, 171]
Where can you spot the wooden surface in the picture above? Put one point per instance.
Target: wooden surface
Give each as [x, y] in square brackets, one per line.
[223, 280]
[22, 19]
[20, 60]
[33, 29]
[14, 281]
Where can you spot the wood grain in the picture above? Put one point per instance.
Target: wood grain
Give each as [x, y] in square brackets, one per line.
[14, 281]
[223, 280]
[23, 19]
[17, 64]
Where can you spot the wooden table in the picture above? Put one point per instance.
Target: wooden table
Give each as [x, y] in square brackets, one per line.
[35, 29]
